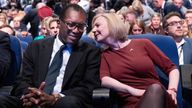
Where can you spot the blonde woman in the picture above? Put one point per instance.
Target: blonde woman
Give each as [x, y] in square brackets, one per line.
[137, 83]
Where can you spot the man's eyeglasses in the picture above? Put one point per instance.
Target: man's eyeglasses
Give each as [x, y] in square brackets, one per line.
[72, 25]
[175, 23]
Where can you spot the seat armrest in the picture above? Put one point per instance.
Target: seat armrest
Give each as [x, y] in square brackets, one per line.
[101, 98]
[101, 93]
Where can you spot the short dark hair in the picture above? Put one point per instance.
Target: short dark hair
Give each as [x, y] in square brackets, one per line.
[169, 15]
[75, 7]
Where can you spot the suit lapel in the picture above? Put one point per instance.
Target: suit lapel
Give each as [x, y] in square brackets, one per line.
[45, 56]
[186, 52]
[72, 63]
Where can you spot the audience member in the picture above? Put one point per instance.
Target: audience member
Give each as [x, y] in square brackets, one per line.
[155, 26]
[3, 19]
[188, 17]
[143, 12]
[137, 27]
[43, 83]
[54, 27]
[133, 74]
[163, 7]
[179, 4]
[185, 28]
[173, 24]
[44, 28]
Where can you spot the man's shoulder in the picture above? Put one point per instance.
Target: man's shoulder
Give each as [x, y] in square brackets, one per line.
[189, 40]
[3, 34]
[87, 45]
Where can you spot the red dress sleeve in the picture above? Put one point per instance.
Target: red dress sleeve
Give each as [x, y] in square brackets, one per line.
[159, 58]
[104, 68]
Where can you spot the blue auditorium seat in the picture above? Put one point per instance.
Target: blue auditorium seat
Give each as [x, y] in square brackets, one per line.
[16, 58]
[27, 39]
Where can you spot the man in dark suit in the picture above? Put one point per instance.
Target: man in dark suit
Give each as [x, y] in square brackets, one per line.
[5, 55]
[173, 25]
[77, 77]
[164, 7]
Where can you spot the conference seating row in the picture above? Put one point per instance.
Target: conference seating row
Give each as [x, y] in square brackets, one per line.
[104, 97]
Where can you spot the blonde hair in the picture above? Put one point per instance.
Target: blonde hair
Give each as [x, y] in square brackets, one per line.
[137, 6]
[5, 21]
[117, 28]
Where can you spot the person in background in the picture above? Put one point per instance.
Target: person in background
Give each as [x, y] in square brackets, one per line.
[173, 26]
[155, 26]
[143, 12]
[133, 75]
[54, 27]
[188, 17]
[44, 28]
[137, 27]
[185, 29]
[179, 4]
[60, 71]
[3, 19]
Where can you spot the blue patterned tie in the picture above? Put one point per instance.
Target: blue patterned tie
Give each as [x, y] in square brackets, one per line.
[53, 71]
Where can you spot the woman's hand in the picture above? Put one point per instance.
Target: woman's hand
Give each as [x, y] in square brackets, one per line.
[137, 92]
[173, 95]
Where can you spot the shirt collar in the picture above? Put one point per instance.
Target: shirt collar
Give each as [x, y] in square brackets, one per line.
[181, 43]
[162, 7]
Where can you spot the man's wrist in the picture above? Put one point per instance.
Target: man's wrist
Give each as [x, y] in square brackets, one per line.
[56, 97]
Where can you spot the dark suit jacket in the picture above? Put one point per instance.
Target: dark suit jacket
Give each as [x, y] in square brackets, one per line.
[5, 55]
[34, 20]
[81, 74]
[187, 51]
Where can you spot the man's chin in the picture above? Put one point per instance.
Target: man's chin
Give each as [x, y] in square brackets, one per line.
[70, 41]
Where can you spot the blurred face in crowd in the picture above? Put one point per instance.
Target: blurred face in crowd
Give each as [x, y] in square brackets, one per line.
[158, 3]
[72, 26]
[175, 25]
[16, 22]
[44, 30]
[155, 22]
[137, 30]
[54, 28]
[101, 30]
[130, 17]
[185, 28]
[178, 3]
[188, 17]
[74, 1]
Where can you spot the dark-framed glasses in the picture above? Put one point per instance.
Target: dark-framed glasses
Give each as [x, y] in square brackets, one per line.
[72, 25]
[175, 23]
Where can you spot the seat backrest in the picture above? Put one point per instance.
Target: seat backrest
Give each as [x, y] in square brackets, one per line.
[168, 46]
[23, 45]
[27, 39]
[16, 58]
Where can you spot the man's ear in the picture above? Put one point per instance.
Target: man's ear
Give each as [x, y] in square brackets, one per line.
[166, 30]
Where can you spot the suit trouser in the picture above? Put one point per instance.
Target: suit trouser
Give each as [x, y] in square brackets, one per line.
[64, 102]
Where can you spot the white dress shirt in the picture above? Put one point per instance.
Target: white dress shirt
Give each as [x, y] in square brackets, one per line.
[66, 54]
[180, 51]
